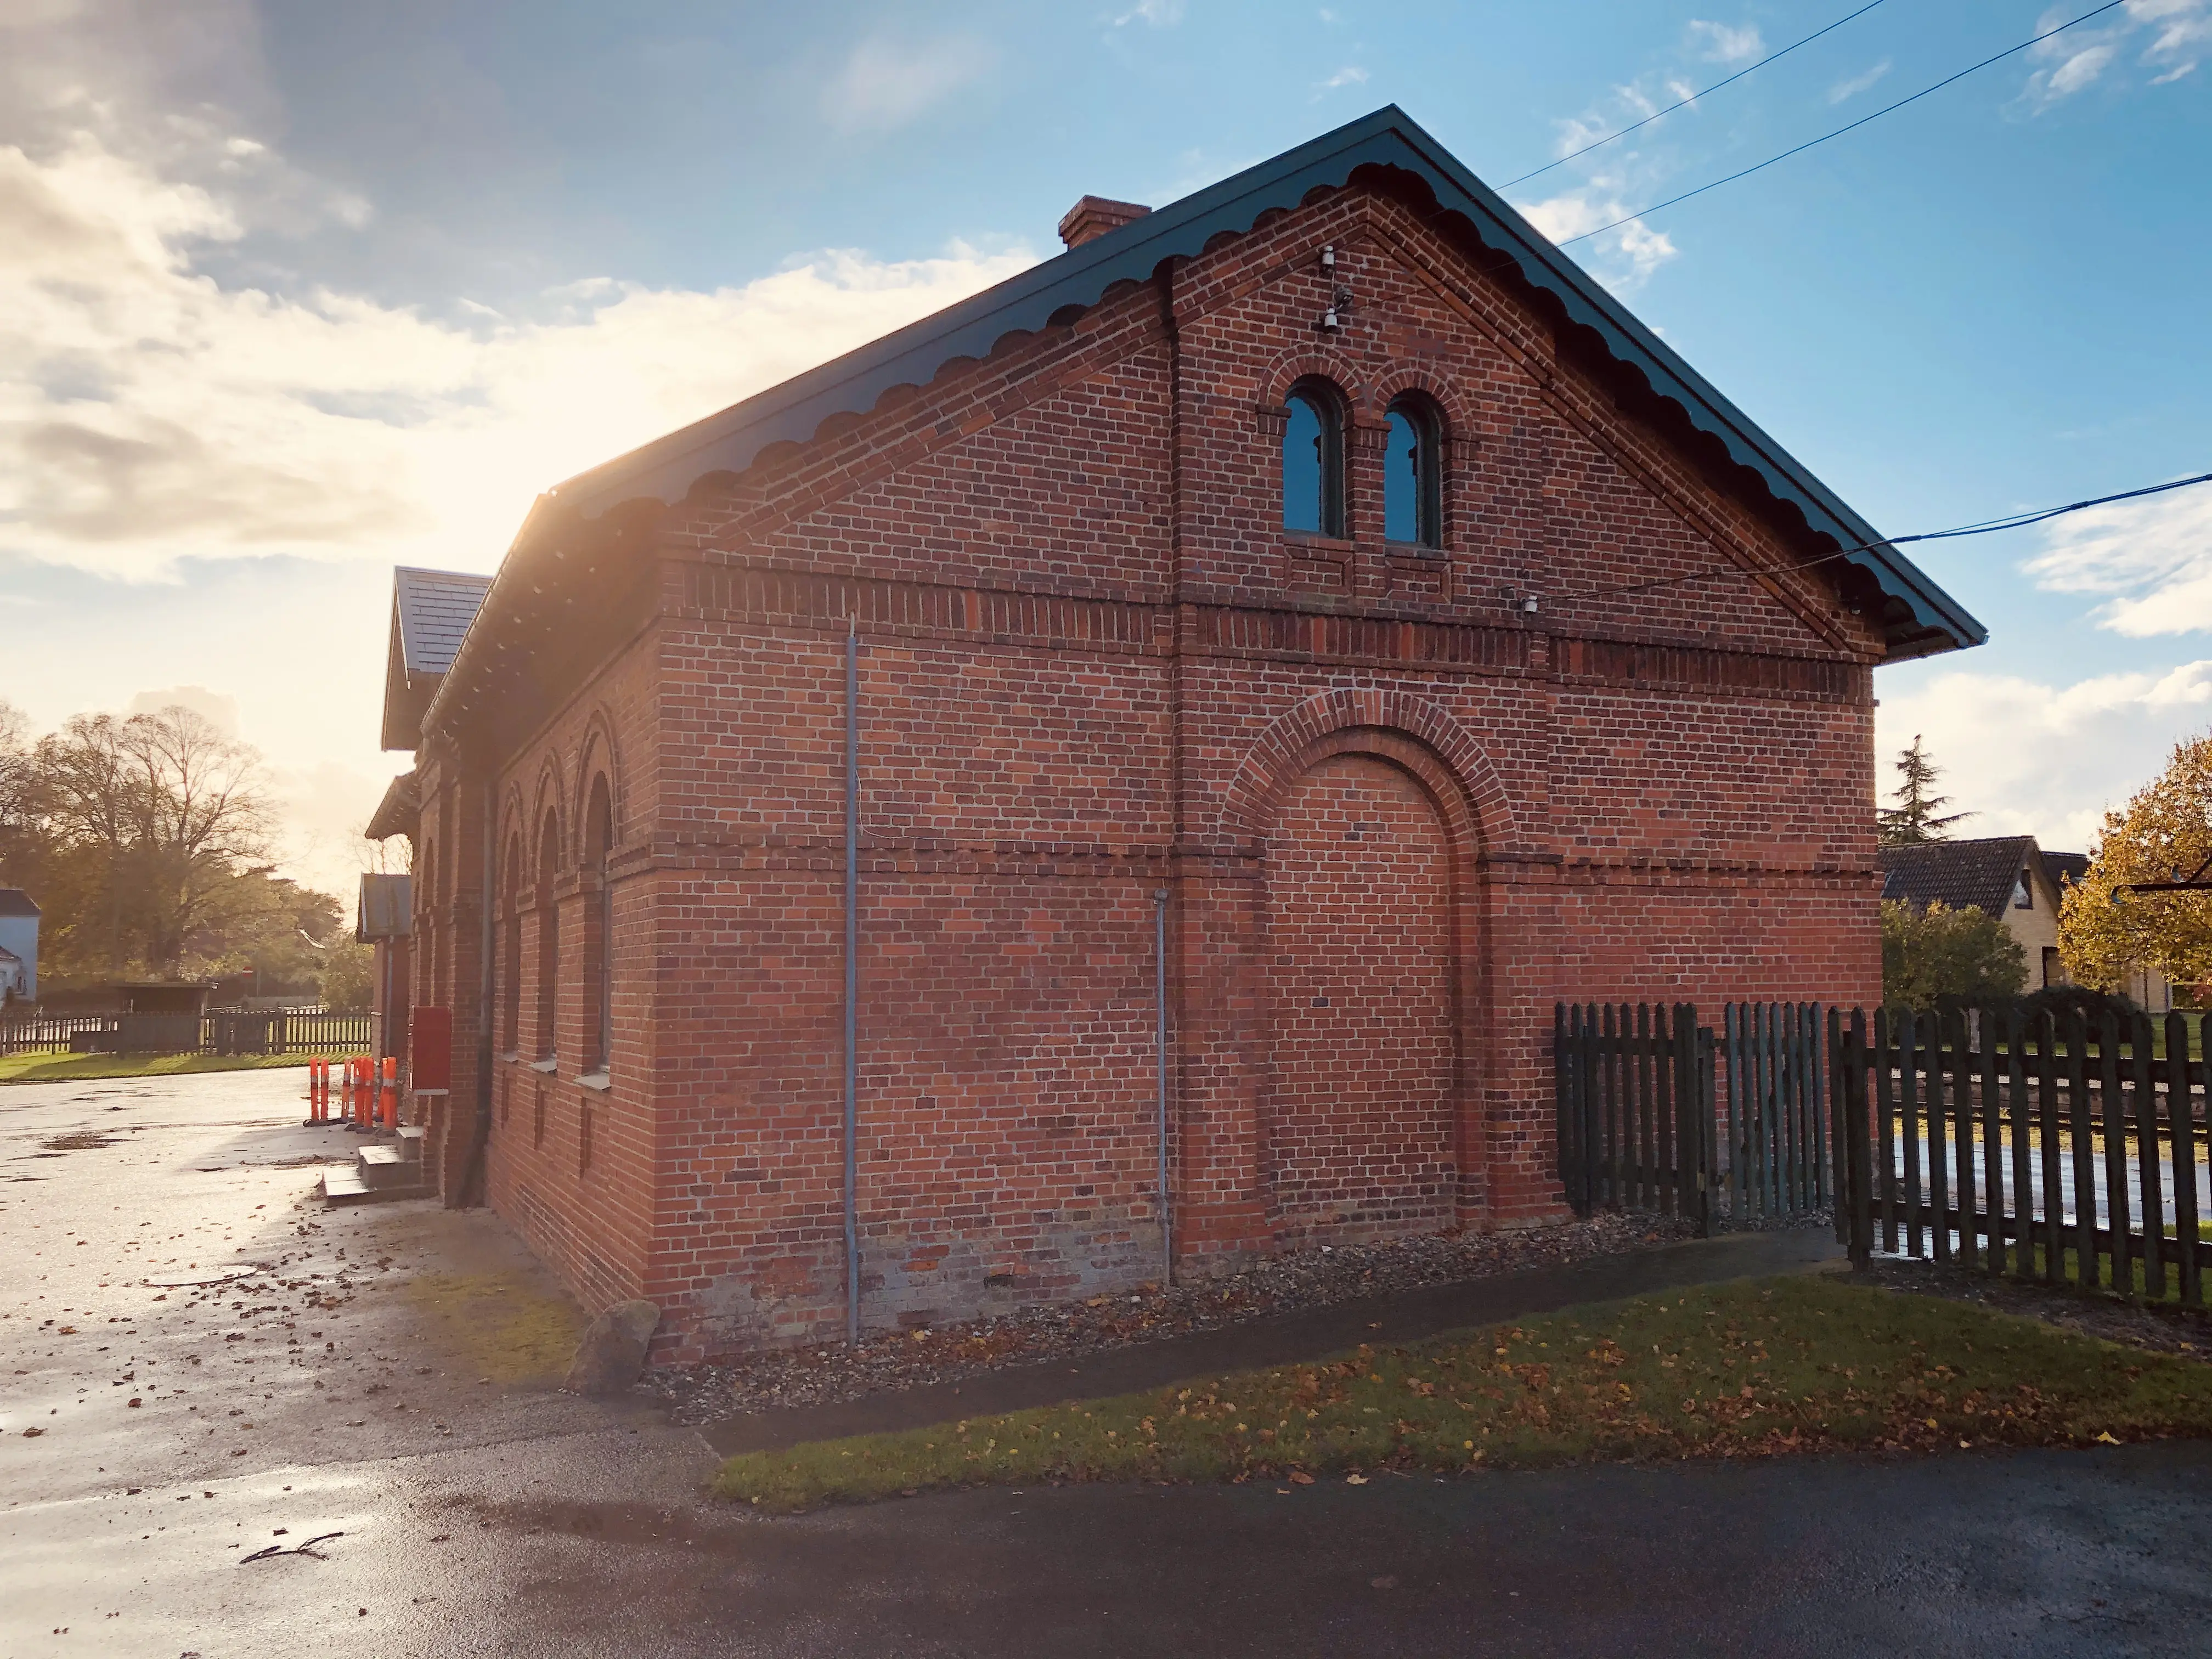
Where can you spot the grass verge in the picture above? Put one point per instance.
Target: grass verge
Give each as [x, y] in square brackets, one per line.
[69, 1068]
[1749, 1369]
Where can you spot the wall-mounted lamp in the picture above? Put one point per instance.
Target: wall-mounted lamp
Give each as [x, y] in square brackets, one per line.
[1329, 258]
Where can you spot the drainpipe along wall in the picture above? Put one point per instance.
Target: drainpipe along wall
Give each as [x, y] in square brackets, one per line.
[851, 979]
[466, 1189]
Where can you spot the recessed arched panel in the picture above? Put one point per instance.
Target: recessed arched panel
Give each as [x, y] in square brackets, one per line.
[1360, 956]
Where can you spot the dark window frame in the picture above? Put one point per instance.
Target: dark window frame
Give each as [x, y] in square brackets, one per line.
[1425, 423]
[1326, 405]
[599, 937]
[549, 942]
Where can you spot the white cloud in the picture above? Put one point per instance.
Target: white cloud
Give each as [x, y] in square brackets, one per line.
[1858, 84]
[1349, 76]
[2045, 760]
[1628, 253]
[148, 413]
[1724, 45]
[2150, 559]
[217, 710]
[1160, 14]
[887, 83]
[2174, 36]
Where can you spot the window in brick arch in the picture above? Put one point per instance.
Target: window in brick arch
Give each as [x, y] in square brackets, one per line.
[1313, 460]
[598, 928]
[424, 891]
[549, 938]
[1413, 481]
[510, 967]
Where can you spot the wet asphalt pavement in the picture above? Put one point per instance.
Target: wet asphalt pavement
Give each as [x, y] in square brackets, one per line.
[386, 1373]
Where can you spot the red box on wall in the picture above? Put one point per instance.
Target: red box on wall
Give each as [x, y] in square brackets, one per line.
[430, 1049]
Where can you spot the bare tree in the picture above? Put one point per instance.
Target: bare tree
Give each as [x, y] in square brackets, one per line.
[15, 770]
[172, 806]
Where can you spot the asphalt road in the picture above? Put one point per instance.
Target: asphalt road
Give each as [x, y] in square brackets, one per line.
[495, 1515]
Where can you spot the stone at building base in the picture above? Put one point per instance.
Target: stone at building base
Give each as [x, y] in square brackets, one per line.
[612, 1356]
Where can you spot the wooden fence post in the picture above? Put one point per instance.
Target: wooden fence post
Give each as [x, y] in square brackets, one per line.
[1861, 1188]
[2181, 1123]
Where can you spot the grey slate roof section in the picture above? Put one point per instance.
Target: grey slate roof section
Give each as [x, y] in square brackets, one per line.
[1959, 873]
[397, 812]
[435, 609]
[386, 908]
[14, 901]
[667, 468]
[2066, 866]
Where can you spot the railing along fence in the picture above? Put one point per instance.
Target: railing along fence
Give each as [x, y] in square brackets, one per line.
[2052, 1147]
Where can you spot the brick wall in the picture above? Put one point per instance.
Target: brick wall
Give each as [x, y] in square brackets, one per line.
[1397, 813]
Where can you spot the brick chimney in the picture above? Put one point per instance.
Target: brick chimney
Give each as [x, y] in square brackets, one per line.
[1094, 215]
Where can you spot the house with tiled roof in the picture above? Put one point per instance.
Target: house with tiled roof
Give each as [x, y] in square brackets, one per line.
[19, 946]
[2013, 879]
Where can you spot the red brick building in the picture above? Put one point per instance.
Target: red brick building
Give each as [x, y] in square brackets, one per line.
[1326, 555]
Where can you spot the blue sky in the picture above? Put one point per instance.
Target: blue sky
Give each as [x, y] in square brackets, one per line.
[300, 290]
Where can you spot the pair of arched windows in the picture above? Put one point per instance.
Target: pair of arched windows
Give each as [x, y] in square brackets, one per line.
[1313, 466]
[599, 937]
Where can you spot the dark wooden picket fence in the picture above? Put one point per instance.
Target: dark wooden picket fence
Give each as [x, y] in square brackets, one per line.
[1634, 1095]
[1777, 1074]
[2043, 1147]
[221, 1031]
[1639, 1093]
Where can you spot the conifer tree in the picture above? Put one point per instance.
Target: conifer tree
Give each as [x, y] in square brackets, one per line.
[1919, 816]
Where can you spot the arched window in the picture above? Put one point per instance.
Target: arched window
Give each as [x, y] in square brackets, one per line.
[510, 967]
[426, 924]
[1313, 460]
[549, 938]
[1413, 483]
[598, 931]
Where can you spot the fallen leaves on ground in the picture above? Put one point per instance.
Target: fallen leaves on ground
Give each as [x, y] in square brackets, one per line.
[1747, 1369]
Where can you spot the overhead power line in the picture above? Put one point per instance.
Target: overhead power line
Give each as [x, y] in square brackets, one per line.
[1984, 527]
[1854, 127]
[1599, 143]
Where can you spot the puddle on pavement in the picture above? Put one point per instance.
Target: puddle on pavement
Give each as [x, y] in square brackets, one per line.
[613, 1522]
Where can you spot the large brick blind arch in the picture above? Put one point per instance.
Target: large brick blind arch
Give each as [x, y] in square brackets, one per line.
[1477, 811]
[1361, 958]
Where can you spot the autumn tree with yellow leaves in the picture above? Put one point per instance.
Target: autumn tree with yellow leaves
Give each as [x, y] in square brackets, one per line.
[2165, 833]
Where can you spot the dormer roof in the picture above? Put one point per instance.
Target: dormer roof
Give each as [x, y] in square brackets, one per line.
[431, 610]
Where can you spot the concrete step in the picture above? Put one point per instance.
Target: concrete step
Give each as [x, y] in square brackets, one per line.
[344, 1186]
[386, 1166]
[411, 1141]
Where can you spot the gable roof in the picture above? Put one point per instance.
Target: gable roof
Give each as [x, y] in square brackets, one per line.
[1917, 617]
[14, 901]
[431, 610]
[398, 813]
[1960, 874]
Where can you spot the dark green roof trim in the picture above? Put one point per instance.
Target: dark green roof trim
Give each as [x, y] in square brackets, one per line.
[1918, 617]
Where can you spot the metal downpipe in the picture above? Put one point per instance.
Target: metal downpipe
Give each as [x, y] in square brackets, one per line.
[852, 978]
[1160, 1046]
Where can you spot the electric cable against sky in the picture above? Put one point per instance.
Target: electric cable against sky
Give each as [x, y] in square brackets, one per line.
[1599, 143]
[2112, 5]
[1981, 527]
